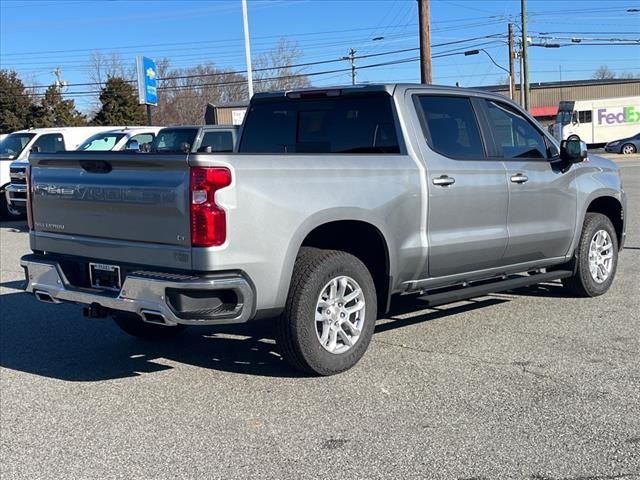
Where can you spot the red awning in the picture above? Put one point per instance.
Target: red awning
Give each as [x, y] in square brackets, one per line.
[546, 111]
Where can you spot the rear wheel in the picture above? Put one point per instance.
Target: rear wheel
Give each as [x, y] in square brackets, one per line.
[596, 257]
[330, 313]
[628, 149]
[135, 326]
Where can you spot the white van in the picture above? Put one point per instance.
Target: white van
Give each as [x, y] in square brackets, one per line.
[598, 121]
[16, 147]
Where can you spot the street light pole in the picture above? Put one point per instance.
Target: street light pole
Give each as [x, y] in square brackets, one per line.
[525, 57]
[512, 87]
[247, 48]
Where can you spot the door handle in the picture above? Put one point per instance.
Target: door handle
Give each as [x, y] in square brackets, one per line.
[519, 178]
[444, 181]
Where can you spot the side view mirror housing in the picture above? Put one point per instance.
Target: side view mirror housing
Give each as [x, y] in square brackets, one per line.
[573, 151]
[185, 147]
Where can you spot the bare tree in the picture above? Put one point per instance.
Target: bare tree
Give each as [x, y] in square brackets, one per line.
[604, 73]
[274, 70]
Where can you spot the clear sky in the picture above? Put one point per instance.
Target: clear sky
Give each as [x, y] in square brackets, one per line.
[38, 35]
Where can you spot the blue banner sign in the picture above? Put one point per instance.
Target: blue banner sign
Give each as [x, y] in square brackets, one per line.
[147, 81]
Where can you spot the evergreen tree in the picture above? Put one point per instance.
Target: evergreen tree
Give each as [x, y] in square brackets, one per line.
[15, 104]
[54, 111]
[119, 104]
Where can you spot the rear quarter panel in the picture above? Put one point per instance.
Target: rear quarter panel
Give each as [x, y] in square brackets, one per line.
[275, 201]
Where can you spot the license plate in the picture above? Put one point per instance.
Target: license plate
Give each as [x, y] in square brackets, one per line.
[104, 277]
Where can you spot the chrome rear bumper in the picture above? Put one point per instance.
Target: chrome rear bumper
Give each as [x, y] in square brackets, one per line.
[143, 293]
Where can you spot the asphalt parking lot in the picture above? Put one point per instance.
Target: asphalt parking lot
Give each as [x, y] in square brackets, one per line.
[525, 385]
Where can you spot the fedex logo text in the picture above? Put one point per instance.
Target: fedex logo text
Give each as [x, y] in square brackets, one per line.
[627, 115]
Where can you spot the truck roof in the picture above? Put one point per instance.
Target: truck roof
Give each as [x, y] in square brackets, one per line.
[389, 88]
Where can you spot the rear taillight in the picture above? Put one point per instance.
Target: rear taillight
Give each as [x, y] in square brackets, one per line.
[208, 220]
[29, 202]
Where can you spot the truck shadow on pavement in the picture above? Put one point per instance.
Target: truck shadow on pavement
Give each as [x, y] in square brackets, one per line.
[57, 342]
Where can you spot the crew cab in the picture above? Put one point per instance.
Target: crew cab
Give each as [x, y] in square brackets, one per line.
[14, 153]
[336, 201]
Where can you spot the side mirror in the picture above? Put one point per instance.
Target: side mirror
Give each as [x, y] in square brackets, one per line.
[573, 151]
[133, 146]
[185, 147]
[574, 118]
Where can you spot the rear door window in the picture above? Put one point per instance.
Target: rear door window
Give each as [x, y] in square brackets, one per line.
[49, 143]
[450, 126]
[217, 141]
[343, 124]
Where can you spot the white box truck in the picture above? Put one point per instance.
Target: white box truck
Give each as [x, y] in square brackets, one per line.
[598, 121]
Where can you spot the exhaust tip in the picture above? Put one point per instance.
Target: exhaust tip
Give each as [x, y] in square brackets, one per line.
[151, 316]
[44, 296]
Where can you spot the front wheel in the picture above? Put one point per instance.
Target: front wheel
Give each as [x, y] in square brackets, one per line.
[596, 257]
[330, 312]
[136, 327]
[628, 149]
[7, 212]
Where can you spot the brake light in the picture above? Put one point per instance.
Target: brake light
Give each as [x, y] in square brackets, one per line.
[27, 176]
[208, 220]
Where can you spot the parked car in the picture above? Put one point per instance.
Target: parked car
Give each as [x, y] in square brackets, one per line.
[337, 200]
[127, 138]
[626, 146]
[14, 151]
[196, 138]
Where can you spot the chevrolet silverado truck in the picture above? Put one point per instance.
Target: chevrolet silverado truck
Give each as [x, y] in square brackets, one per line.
[336, 201]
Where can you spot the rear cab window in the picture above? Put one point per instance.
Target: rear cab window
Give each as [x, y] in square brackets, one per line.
[343, 124]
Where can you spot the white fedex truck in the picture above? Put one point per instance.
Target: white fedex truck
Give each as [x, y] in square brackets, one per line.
[598, 121]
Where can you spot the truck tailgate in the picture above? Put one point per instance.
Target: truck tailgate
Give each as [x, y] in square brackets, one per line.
[118, 197]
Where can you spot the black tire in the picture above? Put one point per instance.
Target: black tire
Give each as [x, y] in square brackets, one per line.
[582, 283]
[6, 213]
[296, 328]
[135, 326]
[630, 147]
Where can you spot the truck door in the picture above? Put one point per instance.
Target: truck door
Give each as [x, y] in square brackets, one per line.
[542, 198]
[468, 194]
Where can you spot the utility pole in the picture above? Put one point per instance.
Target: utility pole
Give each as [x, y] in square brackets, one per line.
[426, 75]
[525, 57]
[352, 58]
[247, 47]
[521, 74]
[512, 76]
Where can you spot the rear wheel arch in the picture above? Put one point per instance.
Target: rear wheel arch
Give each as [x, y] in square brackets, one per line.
[361, 239]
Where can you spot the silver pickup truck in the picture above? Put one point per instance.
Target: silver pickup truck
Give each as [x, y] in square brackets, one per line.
[336, 201]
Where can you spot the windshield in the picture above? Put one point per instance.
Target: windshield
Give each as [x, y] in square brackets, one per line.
[564, 117]
[171, 140]
[15, 143]
[102, 142]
